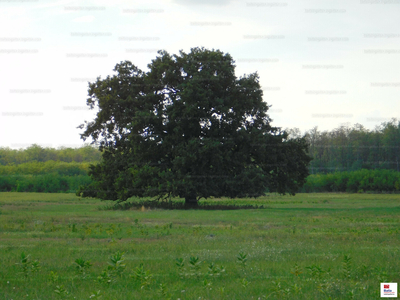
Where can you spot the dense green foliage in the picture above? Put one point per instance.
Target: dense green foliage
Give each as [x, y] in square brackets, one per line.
[49, 170]
[356, 181]
[188, 128]
[354, 148]
[50, 176]
[48, 183]
[41, 168]
[306, 247]
[37, 153]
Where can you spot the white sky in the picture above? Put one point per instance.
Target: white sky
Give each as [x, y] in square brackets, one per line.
[321, 63]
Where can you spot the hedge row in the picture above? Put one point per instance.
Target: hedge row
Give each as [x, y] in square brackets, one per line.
[43, 168]
[47, 183]
[353, 182]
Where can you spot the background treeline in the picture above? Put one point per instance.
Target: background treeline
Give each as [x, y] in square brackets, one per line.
[353, 148]
[346, 159]
[48, 170]
[37, 153]
[50, 166]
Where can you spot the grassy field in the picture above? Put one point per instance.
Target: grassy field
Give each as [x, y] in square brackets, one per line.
[310, 246]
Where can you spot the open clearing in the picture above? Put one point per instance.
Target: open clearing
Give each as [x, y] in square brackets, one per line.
[310, 246]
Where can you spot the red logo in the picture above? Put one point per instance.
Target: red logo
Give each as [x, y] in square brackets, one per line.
[386, 286]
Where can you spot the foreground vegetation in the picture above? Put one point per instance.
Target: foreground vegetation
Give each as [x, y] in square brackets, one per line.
[310, 246]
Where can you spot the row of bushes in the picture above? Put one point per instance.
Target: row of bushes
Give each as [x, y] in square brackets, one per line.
[42, 168]
[47, 183]
[353, 182]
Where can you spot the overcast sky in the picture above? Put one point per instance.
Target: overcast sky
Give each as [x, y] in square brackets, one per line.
[321, 63]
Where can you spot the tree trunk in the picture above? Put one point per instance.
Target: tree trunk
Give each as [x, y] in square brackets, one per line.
[191, 201]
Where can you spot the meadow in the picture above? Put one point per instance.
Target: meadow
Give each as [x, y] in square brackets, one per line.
[308, 246]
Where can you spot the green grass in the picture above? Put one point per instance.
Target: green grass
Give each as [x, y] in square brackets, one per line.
[310, 246]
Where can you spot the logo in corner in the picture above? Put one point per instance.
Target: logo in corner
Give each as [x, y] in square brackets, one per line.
[388, 290]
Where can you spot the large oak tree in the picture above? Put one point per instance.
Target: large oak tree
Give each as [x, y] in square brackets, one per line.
[188, 127]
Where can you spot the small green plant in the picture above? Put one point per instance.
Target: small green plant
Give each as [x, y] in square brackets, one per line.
[221, 290]
[116, 266]
[316, 271]
[96, 295]
[105, 278]
[242, 259]
[167, 226]
[347, 266]
[350, 294]
[114, 269]
[321, 288]
[296, 270]
[163, 291]
[277, 290]
[194, 264]
[143, 231]
[365, 271]
[24, 263]
[296, 289]
[61, 292]
[244, 282]
[73, 228]
[53, 277]
[142, 276]
[207, 285]
[214, 270]
[180, 263]
[35, 266]
[28, 266]
[82, 266]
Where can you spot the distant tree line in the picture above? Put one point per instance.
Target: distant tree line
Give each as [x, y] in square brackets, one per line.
[353, 148]
[341, 149]
[42, 168]
[346, 159]
[37, 153]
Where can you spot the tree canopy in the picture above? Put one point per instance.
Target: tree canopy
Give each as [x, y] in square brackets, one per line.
[354, 148]
[188, 127]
